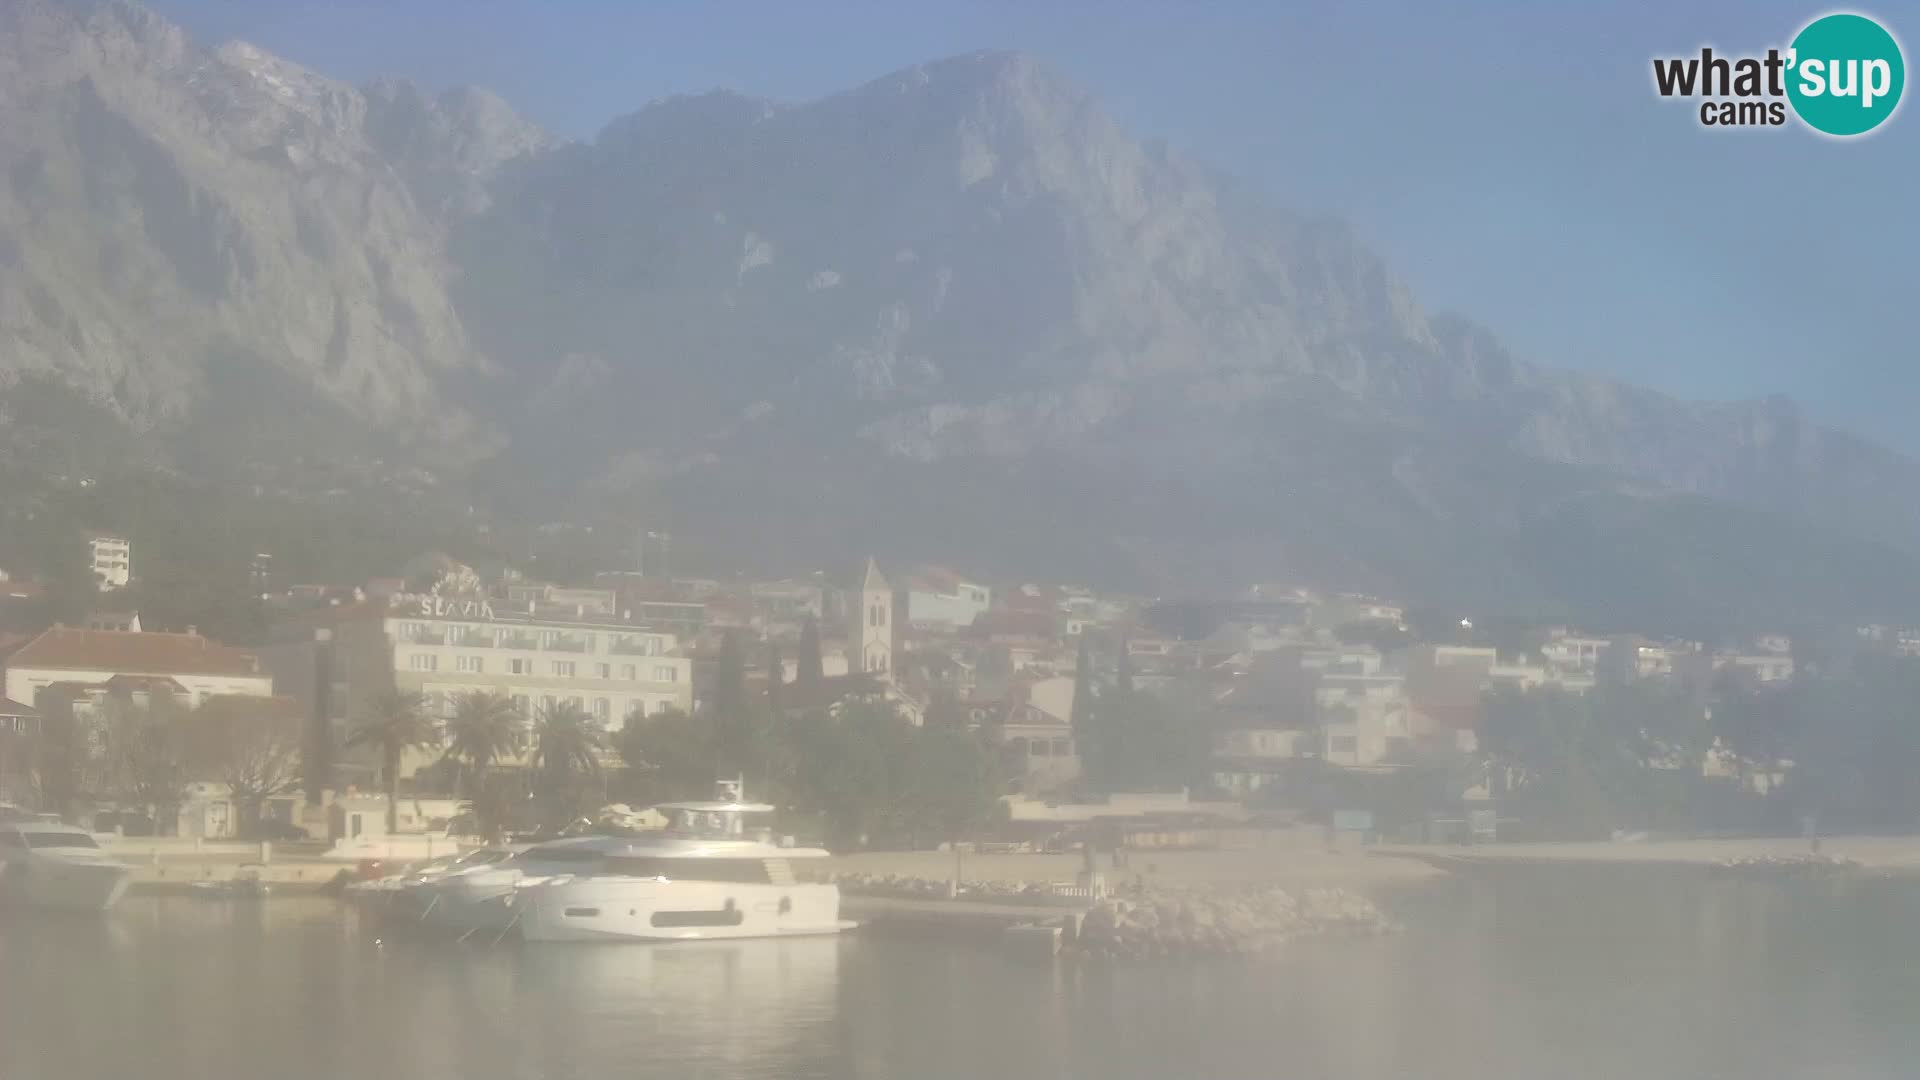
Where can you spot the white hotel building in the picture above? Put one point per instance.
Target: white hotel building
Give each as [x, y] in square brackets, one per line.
[443, 648]
[610, 671]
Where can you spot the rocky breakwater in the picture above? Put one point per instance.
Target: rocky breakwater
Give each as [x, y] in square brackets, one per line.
[1151, 924]
[1809, 864]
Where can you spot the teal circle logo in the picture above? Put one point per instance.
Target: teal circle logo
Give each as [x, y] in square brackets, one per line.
[1845, 74]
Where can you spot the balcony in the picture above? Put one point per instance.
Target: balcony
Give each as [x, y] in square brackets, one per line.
[471, 640]
[634, 647]
[518, 641]
[426, 637]
[571, 645]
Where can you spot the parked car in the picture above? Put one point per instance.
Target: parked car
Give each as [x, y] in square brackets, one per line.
[282, 832]
[125, 822]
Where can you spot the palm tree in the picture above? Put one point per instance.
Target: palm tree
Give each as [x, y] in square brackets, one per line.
[395, 721]
[566, 743]
[483, 729]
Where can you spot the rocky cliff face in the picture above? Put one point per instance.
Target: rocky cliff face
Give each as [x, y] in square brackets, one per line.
[165, 205]
[965, 268]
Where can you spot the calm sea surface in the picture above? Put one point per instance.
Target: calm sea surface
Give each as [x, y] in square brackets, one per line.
[1534, 974]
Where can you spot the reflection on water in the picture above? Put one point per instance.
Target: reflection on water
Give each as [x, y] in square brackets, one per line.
[1530, 974]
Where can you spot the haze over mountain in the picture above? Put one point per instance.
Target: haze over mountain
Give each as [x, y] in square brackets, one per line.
[955, 312]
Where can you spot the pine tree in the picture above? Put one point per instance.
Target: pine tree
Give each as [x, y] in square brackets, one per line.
[1082, 692]
[776, 679]
[809, 674]
[732, 713]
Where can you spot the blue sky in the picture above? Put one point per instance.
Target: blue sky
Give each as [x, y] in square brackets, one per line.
[1510, 160]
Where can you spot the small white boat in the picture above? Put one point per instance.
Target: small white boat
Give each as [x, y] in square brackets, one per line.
[703, 877]
[47, 864]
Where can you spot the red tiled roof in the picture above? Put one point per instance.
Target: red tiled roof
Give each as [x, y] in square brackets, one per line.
[68, 649]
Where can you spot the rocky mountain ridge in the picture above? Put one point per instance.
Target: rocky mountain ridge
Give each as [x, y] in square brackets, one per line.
[964, 271]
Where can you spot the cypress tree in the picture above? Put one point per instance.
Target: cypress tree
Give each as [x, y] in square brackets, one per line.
[809, 673]
[732, 719]
[776, 679]
[1082, 691]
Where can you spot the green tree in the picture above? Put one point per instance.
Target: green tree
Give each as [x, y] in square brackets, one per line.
[808, 672]
[496, 803]
[732, 711]
[945, 712]
[670, 755]
[849, 769]
[870, 774]
[1620, 754]
[317, 751]
[71, 589]
[483, 729]
[1082, 712]
[776, 681]
[567, 744]
[1138, 743]
[392, 723]
[952, 783]
[1856, 750]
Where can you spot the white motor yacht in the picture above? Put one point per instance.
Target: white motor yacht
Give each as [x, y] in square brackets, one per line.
[47, 864]
[452, 896]
[703, 877]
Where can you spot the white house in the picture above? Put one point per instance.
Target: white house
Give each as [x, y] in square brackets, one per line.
[944, 599]
[201, 668]
[112, 558]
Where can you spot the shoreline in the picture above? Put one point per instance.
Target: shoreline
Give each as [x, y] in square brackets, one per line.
[1889, 856]
[1286, 867]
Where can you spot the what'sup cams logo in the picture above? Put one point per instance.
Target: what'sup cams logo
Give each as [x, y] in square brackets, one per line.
[1842, 76]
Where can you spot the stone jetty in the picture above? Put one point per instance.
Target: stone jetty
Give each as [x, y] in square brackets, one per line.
[1192, 923]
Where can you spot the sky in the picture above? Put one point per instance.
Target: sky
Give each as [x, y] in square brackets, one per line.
[1510, 160]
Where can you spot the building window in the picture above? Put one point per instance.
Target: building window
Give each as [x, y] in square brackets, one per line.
[1062, 747]
[563, 668]
[423, 662]
[518, 666]
[473, 665]
[661, 706]
[523, 705]
[602, 709]
[665, 673]
[603, 671]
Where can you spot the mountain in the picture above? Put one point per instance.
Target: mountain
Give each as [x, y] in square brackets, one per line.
[955, 312]
[168, 209]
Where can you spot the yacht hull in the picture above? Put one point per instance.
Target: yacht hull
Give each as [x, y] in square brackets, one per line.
[64, 883]
[613, 908]
[458, 907]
